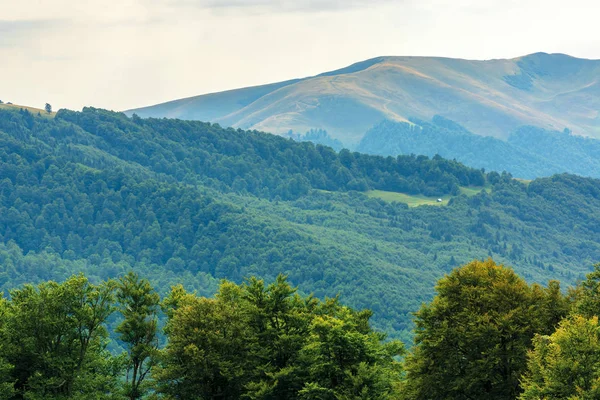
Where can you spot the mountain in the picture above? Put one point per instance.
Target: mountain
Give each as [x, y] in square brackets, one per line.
[190, 202]
[529, 152]
[489, 98]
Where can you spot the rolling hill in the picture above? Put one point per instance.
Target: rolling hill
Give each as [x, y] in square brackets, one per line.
[186, 201]
[489, 98]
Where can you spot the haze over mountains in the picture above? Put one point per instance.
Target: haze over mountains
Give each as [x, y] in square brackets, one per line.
[488, 98]
[529, 152]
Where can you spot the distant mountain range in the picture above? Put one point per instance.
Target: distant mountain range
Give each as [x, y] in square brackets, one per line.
[489, 98]
[529, 152]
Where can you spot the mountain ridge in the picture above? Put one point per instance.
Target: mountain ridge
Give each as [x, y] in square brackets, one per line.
[489, 97]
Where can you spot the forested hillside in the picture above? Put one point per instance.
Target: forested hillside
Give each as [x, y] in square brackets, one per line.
[528, 153]
[190, 202]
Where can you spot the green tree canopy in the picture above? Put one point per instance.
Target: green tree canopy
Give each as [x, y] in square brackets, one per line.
[587, 294]
[139, 305]
[266, 342]
[54, 339]
[472, 339]
[566, 364]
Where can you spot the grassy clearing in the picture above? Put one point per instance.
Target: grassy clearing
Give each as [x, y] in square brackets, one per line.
[411, 200]
[420, 200]
[32, 110]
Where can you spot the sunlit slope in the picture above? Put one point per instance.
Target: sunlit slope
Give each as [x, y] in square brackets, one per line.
[491, 98]
[211, 106]
[33, 110]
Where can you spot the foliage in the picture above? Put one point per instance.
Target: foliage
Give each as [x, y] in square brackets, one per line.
[103, 194]
[571, 153]
[266, 341]
[317, 136]
[259, 342]
[263, 164]
[472, 339]
[587, 294]
[139, 305]
[54, 339]
[566, 364]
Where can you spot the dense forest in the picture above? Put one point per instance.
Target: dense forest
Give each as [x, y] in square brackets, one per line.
[487, 333]
[528, 153]
[189, 202]
[260, 163]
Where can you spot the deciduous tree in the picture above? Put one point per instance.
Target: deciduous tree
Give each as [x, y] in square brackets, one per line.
[472, 339]
[566, 364]
[139, 305]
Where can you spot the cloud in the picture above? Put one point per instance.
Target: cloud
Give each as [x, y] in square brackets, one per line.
[19, 31]
[122, 54]
[18, 26]
[280, 5]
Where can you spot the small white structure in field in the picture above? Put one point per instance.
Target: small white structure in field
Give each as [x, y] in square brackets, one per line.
[439, 200]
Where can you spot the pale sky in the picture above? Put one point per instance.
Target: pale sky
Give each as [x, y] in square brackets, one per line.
[121, 54]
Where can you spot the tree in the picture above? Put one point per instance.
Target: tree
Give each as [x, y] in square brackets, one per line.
[281, 320]
[48, 108]
[344, 358]
[54, 337]
[265, 342]
[587, 294]
[6, 380]
[139, 305]
[472, 339]
[207, 355]
[566, 364]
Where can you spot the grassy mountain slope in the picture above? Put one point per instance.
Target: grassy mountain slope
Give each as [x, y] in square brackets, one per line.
[190, 202]
[212, 106]
[43, 113]
[490, 98]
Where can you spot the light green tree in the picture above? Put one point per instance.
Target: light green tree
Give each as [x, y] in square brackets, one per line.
[266, 342]
[54, 337]
[471, 341]
[139, 305]
[566, 364]
[6, 377]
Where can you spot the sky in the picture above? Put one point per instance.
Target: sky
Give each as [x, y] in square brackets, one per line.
[122, 54]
